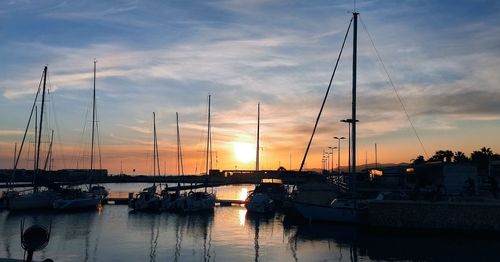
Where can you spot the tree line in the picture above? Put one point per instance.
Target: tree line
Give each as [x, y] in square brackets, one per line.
[481, 158]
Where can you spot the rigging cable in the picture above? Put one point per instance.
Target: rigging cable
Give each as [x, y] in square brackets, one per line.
[394, 88]
[326, 96]
[58, 129]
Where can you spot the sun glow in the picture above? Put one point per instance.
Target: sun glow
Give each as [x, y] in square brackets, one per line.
[244, 152]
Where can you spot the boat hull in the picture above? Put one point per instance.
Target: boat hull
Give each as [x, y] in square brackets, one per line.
[35, 200]
[77, 204]
[194, 203]
[260, 203]
[328, 213]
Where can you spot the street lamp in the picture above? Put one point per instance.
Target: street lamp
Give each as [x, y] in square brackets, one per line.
[338, 153]
[332, 148]
[328, 154]
[349, 121]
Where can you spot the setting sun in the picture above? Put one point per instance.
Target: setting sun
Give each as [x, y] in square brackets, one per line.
[244, 152]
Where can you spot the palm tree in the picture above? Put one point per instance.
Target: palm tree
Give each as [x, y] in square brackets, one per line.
[460, 157]
[442, 156]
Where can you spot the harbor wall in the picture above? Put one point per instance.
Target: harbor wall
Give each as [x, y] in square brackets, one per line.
[448, 216]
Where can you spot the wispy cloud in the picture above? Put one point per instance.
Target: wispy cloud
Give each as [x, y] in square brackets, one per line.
[166, 57]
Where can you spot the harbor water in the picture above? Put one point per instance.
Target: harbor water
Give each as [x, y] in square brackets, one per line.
[113, 233]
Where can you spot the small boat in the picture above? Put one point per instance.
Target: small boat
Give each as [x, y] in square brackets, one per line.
[76, 199]
[99, 191]
[340, 209]
[170, 201]
[274, 188]
[197, 201]
[147, 200]
[35, 198]
[201, 201]
[259, 203]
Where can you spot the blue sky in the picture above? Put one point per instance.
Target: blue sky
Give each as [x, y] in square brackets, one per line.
[166, 56]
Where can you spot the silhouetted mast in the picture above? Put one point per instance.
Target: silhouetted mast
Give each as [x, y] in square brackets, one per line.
[35, 173]
[209, 146]
[154, 149]
[354, 120]
[93, 127]
[258, 130]
[180, 168]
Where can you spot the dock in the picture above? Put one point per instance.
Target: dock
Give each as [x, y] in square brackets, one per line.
[121, 198]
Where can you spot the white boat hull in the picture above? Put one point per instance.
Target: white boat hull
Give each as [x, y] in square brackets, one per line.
[328, 213]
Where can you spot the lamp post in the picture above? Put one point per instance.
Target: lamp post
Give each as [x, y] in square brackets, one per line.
[332, 148]
[338, 153]
[328, 154]
[349, 121]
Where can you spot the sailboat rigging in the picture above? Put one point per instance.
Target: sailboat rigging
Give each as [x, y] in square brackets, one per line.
[340, 209]
[37, 199]
[148, 200]
[201, 201]
[75, 199]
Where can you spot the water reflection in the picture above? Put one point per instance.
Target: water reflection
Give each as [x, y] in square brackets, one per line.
[255, 220]
[227, 234]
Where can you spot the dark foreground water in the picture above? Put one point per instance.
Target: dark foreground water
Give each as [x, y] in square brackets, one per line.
[227, 234]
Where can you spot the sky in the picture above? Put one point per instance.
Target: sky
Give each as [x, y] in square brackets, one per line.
[167, 56]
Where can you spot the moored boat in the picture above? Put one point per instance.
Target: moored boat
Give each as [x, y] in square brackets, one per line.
[259, 203]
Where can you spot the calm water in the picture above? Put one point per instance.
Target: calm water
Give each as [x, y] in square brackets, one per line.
[227, 234]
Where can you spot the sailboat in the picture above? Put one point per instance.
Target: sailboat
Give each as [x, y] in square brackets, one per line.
[341, 209]
[171, 201]
[269, 192]
[34, 198]
[148, 199]
[201, 201]
[76, 199]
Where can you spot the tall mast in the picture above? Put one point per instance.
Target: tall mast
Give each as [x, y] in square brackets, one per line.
[93, 127]
[15, 153]
[180, 169]
[93, 123]
[209, 149]
[35, 188]
[258, 130]
[154, 148]
[36, 132]
[354, 66]
[209, 146]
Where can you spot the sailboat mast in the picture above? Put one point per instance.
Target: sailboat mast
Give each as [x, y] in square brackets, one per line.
[208, 139]
[258, 133]
[35, 188]
[36, 132]
[93, 123]
[154, 148]
[209, 146]
[180, 169]
[354, 120]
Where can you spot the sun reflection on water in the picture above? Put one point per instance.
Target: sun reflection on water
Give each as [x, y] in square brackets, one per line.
[243, 193]
[242, 214]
